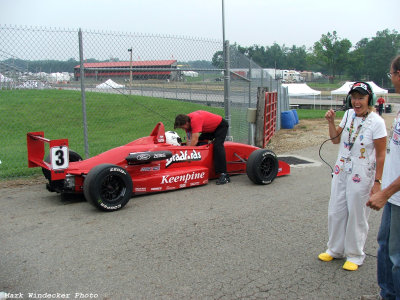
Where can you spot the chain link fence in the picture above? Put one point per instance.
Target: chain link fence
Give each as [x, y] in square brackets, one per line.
[40, 71]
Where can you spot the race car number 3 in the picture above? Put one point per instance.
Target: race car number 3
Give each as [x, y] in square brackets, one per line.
[59, 157]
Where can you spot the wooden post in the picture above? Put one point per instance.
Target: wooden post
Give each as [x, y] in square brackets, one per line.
[260, 116]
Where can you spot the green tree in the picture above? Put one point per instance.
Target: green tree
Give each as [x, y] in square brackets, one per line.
[218, 60]
[331, 53]
[368, 60]
[201, 64]
[296, 58]
[378, 53]
[356, 63]
[257, 54]
[275, 56]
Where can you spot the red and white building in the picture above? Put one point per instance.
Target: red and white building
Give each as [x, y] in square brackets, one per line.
[151, 69]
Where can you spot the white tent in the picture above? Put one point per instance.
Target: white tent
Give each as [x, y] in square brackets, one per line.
[345, 88]
[300, 89]
[4, 78]
[109, 84]
[58, 77]
[190, 73]
[377, 90]
[32, 84]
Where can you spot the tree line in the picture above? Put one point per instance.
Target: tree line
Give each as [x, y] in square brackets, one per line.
[369, 59]
[331, 55]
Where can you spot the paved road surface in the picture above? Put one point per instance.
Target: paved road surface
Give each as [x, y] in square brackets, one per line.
[236, 241]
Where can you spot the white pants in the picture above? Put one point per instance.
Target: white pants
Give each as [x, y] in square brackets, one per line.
[347, 212]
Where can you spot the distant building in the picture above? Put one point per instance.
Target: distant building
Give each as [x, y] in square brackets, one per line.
[311, 76]
[121, 69]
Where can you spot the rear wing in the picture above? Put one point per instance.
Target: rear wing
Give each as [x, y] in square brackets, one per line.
[58, 151]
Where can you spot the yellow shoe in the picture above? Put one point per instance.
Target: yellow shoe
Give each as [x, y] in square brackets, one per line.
[350, 266]
[325, 257]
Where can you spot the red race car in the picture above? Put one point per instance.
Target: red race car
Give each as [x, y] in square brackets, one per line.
[155, 163]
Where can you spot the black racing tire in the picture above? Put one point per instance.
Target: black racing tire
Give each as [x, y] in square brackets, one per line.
[74, 156]
[108, 187]
[262, 166]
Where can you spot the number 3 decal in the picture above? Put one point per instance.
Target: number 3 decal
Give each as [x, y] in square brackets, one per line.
[59, 157]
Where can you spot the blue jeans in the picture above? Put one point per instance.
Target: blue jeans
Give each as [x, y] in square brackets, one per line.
[389, 252]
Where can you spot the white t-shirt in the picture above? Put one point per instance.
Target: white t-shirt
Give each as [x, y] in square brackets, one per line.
[363, 150]
[391, 170]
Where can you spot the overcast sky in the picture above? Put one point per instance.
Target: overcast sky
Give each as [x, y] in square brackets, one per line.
[247, 22]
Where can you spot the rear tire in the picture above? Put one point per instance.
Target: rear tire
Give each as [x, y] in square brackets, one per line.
[262, 166]
[108, 187]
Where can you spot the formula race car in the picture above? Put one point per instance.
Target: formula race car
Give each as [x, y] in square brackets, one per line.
[155, 163]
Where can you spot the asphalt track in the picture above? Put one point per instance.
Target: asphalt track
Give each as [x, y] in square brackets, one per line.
[236, 241]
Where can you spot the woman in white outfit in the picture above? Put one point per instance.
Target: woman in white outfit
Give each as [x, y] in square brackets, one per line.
[357, 174]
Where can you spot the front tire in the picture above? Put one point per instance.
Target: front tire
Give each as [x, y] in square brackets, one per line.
[262, 166]
[108, 187]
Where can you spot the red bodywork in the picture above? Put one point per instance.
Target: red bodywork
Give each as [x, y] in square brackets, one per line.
[170, 167]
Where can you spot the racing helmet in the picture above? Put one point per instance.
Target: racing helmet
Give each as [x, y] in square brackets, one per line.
[173, 138]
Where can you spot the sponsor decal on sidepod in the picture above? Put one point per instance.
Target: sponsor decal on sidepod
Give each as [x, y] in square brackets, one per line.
[183, 156]
[143, 156]
[182, 178]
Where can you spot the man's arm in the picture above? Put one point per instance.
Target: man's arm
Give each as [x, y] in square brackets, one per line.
[194, 140]
[379, 199]
[380, 153]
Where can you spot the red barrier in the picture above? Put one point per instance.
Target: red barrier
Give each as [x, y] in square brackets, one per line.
[270, 108]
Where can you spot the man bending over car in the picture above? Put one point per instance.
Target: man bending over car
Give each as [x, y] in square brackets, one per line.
[203, 125]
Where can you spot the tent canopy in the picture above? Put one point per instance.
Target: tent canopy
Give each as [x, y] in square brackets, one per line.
[300, 89]
[4, 78]
[109, 84]
[345, 88]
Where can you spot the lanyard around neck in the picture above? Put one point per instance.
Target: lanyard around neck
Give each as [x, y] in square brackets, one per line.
[351, 129]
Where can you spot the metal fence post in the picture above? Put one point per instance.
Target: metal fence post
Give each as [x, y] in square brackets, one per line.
[227, 87]
[207, 94]
[262, 78]
[130, 71]
[249, 102]
[83, 95]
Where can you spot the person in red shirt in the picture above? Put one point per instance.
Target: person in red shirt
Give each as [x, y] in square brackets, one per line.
[203, 125]
[380, 101]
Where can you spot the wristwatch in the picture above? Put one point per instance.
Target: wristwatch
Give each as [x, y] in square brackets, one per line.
[378, 180]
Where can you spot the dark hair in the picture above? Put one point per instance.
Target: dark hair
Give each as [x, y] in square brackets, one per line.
[181, 120]
[396, 63]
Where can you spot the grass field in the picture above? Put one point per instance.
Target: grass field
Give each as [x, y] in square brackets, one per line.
[315, 114]
[112, 119]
